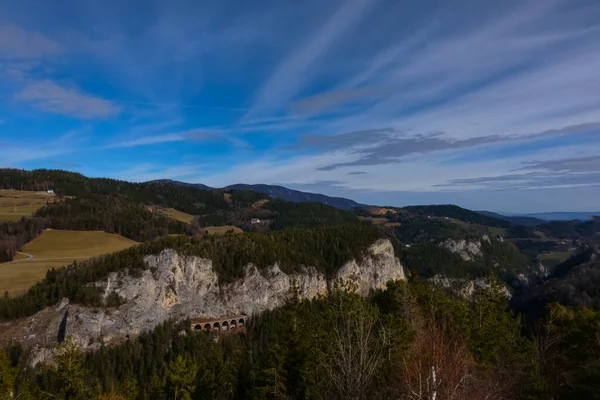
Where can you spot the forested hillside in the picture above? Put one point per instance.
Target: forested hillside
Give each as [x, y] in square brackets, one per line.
[280, 214]
[187, 199]
[459, 213]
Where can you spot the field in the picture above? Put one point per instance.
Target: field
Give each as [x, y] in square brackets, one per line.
[497, 232]
[178, 215]
[220, 230]
[559, 256]
[54, 249]
[375, 220]
[16, 204]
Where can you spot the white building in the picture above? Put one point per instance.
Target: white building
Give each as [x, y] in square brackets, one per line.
[50, 191]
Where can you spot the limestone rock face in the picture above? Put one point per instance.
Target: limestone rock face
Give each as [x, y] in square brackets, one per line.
[176, 287]
[467, 288]
[379, 267]
[467, 250]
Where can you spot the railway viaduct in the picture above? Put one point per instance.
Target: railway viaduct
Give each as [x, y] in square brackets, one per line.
[219, 324]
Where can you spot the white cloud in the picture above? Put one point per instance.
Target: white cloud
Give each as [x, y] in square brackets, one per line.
[51, 97]
[150, 140]
[191, 135]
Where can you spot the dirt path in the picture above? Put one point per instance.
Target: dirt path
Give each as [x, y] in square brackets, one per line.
[29, 256]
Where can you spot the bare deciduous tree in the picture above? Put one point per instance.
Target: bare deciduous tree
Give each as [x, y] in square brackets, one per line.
[358, 348]
[439, 366]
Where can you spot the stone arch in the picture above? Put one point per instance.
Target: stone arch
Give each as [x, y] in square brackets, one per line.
[233, 324]
[241, 321]
[225, 326]
[217, 326]
[198, 327]
[207, 327]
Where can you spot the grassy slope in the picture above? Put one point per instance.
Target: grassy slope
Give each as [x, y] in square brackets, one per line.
[55, 249]
[178, 215]
[220, 230]
[16, 204]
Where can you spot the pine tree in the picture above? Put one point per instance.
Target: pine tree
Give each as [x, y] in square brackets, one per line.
[70, 373]
[181, 375]
[7, 377]
[272, 380]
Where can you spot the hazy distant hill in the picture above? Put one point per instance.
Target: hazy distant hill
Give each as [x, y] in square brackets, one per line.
[516, 219]
[297, 196]
[560, 215]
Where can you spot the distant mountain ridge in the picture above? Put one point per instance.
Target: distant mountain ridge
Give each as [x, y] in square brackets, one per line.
[297, 196]
[516, 219]
[560, 215]
[279, 192]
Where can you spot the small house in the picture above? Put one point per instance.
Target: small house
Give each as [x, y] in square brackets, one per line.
[50, 191]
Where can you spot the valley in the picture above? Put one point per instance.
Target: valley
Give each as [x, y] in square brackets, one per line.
[120, 274]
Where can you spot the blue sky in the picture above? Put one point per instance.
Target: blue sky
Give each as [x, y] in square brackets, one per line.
[490, 105]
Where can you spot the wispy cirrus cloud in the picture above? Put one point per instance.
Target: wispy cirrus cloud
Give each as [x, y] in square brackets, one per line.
[51, 97]
[386, 146]
[17, 43]
[192, 135]
[293, 73]
[575, 164]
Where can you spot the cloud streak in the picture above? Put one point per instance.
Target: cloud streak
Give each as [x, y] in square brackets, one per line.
[193, 135]
[17, 43]
[51, 97]
[294, 71]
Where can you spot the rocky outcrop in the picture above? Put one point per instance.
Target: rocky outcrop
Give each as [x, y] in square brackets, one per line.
[467, 288]
[467, 250]
[176, 287]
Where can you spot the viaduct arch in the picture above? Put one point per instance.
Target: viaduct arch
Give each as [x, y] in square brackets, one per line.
[219, 324]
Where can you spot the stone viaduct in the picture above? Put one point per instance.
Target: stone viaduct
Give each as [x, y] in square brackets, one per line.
[219, 324]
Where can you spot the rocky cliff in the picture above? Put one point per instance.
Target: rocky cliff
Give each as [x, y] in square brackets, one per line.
[467, 250]
[178, 287]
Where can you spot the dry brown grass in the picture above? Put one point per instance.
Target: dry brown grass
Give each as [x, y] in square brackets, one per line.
[55, 249]
[178, 215]
[221, 230]
[16, 204]
[381, 210]
[375, 220]
[260, 203]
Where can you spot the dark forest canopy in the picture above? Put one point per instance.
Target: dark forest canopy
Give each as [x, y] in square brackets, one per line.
[498, 259]
[281, 214]
[573, 229]
[456, 212]
[326, 249]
